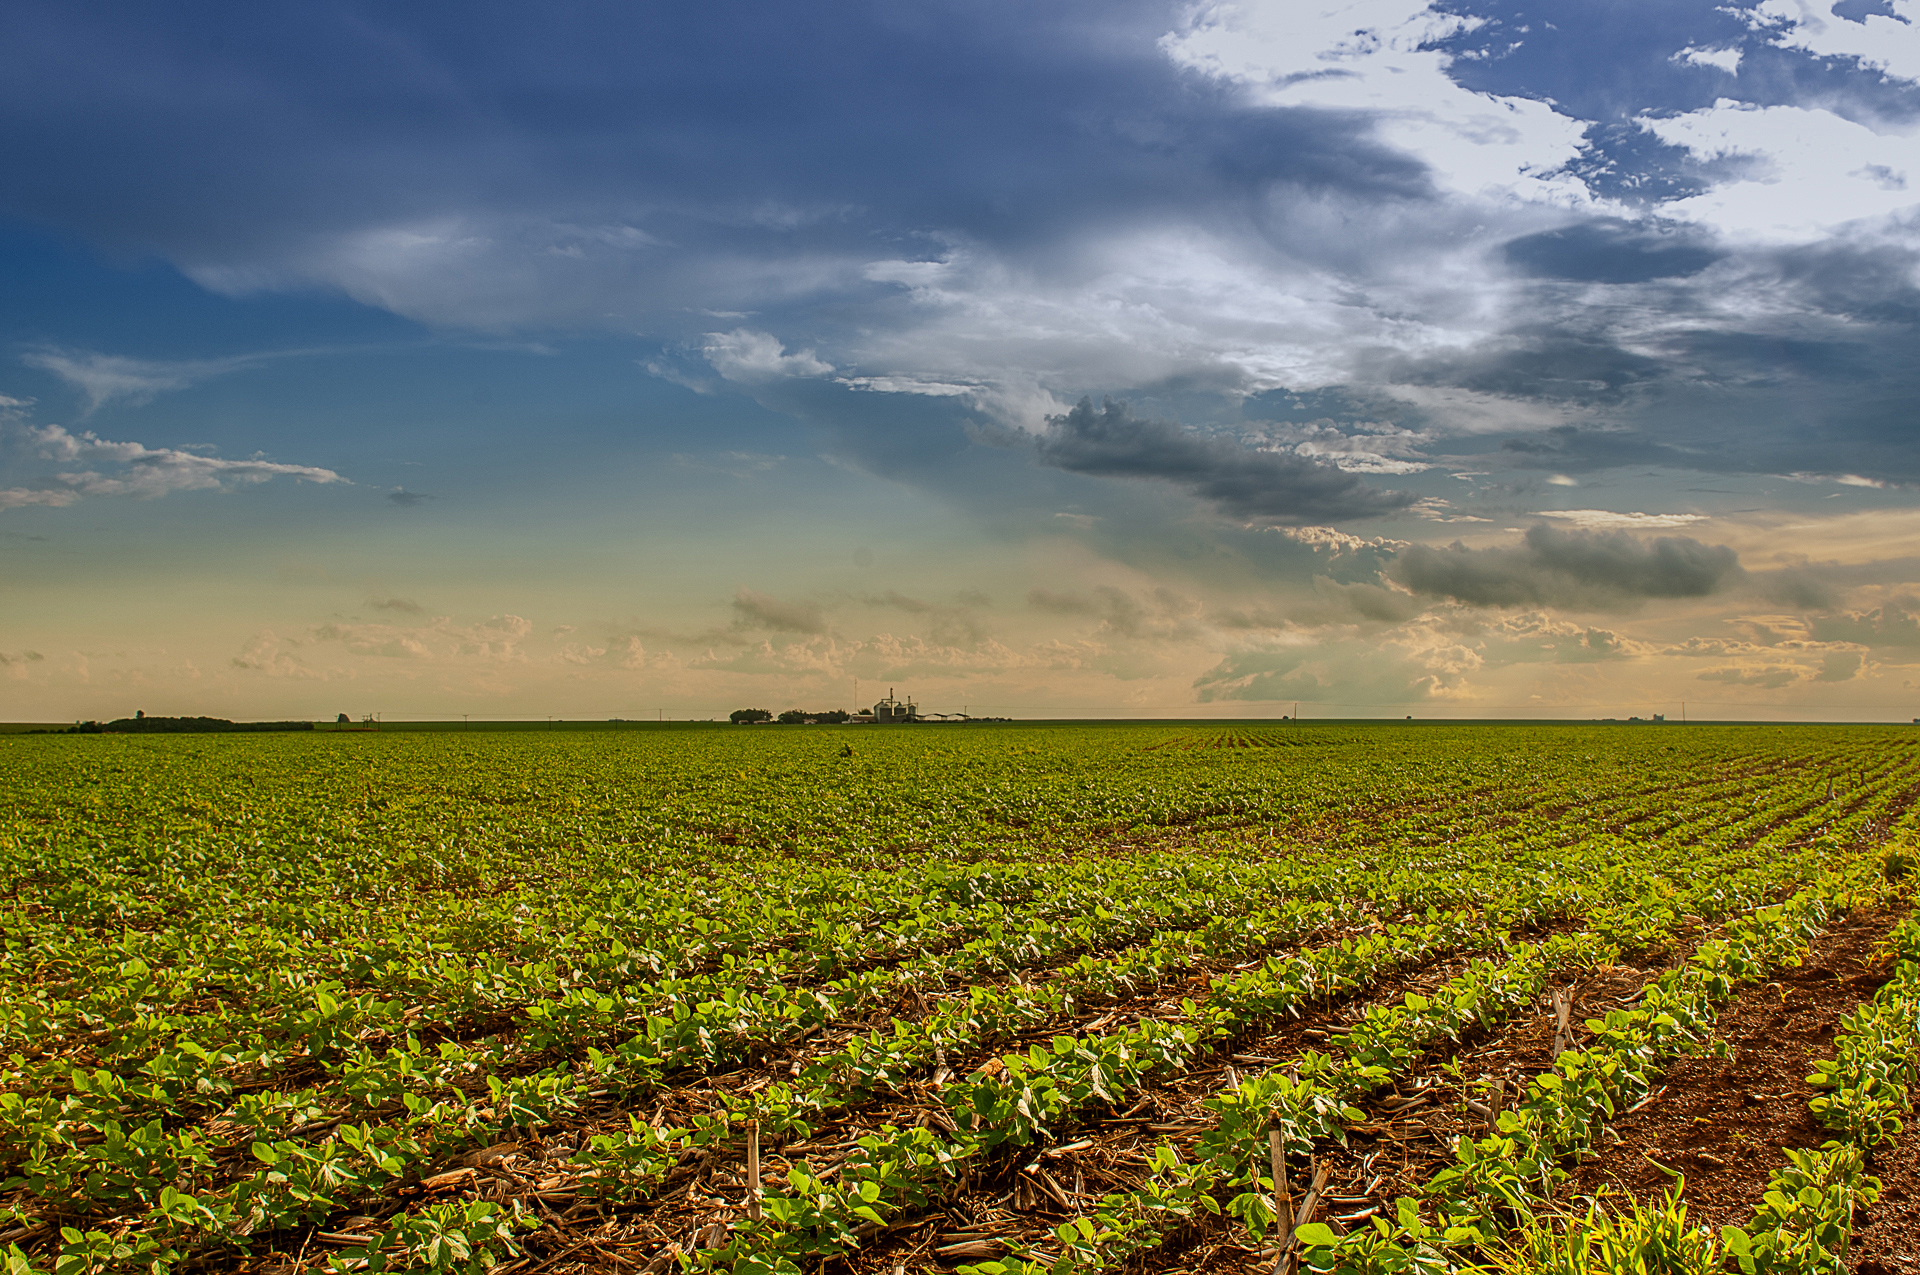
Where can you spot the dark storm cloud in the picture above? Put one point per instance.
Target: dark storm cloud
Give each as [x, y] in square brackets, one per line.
[1569, 449]
[1804, 588]
[893, 599]
[1824, 383]
[1611, 250]
[1820, 380]
[707, 150]
[1834, 399]
[1331, 603]
[671, 168]
[1061, 603]
[1862, 282]
[1161, 613]
[1338, 402]
[1279, 488]
[1555, 362]
[1897, 624]
[1821, 586]
[949, 625]
[1576, 569]
[777, 615]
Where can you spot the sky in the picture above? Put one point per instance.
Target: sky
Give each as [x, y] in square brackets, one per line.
[1353, 358]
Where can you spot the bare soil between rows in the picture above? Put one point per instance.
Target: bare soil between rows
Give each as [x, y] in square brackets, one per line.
[1009, 1207]
[1412, 1127]
[1719, 1119]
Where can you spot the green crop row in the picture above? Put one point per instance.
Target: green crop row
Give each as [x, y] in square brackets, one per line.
[1027, 1099]
[256, 984]
[1496, 1182]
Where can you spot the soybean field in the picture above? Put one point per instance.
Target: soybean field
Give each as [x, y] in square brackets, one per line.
[992, 998]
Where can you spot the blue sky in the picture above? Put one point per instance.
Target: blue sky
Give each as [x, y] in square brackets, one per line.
[1388, 358]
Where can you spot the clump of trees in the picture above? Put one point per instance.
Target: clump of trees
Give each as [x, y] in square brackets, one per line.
[141, 724]
[792, 717]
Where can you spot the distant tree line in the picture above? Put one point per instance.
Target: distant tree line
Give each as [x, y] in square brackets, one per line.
[141, 724]
[792, 717]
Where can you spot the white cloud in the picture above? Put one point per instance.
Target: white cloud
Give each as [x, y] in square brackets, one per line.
[103, 378]
[1609, 518]
[1438, 510]
[1843, 480]
[744, 355]
[1804, 170]
[22, 497]
[1204, 306]
[480, 269]
[1339, 542]
[1281, 291]
[1374, 56]
[87, 465]
[1727, 60]
[263, 654]
[626, 652]
[908, 385]
[1355, 458]
[1370, 448]
[1877, 41]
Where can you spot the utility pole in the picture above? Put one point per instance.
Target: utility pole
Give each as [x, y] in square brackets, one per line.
[1683, 712]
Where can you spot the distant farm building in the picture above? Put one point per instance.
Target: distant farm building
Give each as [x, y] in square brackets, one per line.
[893, 710]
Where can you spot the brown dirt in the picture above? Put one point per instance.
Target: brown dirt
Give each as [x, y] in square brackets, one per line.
[1011, 1204]
[1716, 1120]
[1397, 1149]
[1719, 1120]
[1708, 1107]
[1886, 1237]
[1001, 1200]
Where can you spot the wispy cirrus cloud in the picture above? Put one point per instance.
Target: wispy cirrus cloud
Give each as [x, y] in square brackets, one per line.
[85, 465]
[107, 378]
[1610, 519]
